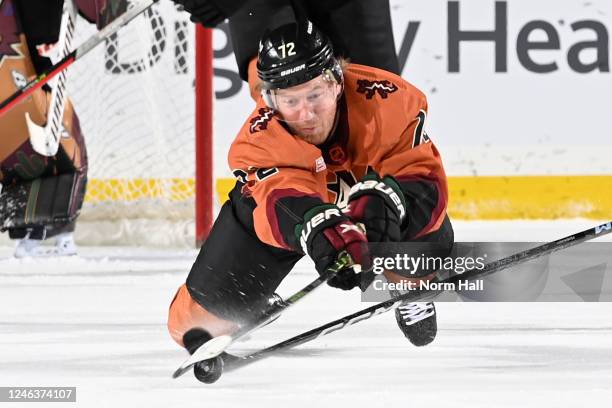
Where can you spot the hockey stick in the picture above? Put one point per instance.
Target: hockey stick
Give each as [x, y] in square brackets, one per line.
[217, 345]
[233, 362]
[69, 59]
[45, 140]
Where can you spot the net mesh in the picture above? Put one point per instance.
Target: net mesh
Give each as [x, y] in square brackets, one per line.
[134, 95]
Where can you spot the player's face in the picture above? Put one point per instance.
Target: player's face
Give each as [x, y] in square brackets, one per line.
[309, 109]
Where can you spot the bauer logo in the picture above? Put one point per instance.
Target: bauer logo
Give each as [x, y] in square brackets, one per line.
[314, 222]
[383, 188]
[293, 70]
[605, 227]
[369, 88]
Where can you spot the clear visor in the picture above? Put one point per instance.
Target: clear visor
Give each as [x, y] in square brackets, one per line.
[306, 102]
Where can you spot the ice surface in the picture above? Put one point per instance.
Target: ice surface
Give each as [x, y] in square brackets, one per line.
[97, 322]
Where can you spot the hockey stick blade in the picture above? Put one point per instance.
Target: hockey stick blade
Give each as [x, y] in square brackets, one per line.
[235, 362]
[69, 59]
[219, 344]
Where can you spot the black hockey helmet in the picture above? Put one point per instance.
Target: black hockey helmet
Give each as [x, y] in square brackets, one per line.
[293, 54]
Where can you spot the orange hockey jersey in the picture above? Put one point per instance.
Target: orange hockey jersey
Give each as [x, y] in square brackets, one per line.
[380, 127]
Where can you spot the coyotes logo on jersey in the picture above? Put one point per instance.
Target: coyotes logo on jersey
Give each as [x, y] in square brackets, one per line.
[369, 88]
[260, 122]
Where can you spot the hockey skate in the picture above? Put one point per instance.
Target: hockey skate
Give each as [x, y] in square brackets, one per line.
[33, 248]
[418, 322]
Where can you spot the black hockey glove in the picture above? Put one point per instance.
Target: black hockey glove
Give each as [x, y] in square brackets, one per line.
[325, 234]
[379, 205]
[210, 13]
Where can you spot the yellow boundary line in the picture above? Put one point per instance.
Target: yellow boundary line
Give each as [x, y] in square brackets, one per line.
[530, 197]
[485, 198]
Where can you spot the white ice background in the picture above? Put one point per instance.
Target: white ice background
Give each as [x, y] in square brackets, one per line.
[97, 322]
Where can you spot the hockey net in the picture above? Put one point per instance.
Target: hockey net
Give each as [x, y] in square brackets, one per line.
[134, 96]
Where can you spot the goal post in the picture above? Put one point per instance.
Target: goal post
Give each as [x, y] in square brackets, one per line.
[204, 134]
[145, 104]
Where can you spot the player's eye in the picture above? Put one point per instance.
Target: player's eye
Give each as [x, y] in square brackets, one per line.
[314, 97]
[290, 102]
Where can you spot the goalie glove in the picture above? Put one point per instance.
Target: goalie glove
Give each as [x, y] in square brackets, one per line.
[380, 205]
[325, 234]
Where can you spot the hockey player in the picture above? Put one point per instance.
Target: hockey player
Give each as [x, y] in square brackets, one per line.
[358, 29]
[41, 196]
[319, 129]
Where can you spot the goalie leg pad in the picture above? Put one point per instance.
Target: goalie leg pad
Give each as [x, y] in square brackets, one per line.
[44, 207]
